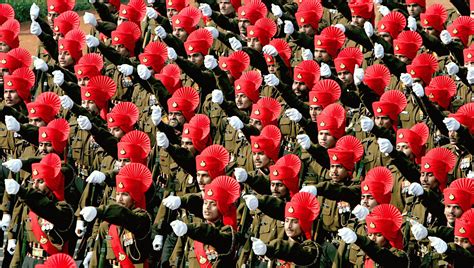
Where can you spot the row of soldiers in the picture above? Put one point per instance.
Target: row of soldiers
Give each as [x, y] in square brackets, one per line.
[245, 133]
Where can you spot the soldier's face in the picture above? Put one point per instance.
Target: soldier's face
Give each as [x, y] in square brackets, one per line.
[254, 42]
[37, 122]
[57, 36]
[45, 148]
[242, 101]
[405, 148]
[414, 10]
[321, 55]
[272, 68]
[65, 59]
[308, 30]
[292, 227]
[40, 186]
[431, 31]
[452, 212]
[278, 189]
[243, 24]
[226, 8]
[51, 17]
[121, 162]
[462, 242]
[122, 50]
[314, 111]
[83, 81]
[203, 179]
[378, 239]
[260, 160]
[346, 77]
[180, 33]
[187, 144]
[325, 139]
[176, 119]
[472, 14]
[90, 106]
[403, 59]
[196, 58]
[338, 173]
[383, 122]
[358, 21]
[428, 180]
[4, 47]
[453, 137]
[299, 88]
[120, 20]
[170, 12]
[368, 201]
[3, 72]
[256, 123]
[117, 132]
[386, 36]
[124, 199]
[210, 211]
[11, 97]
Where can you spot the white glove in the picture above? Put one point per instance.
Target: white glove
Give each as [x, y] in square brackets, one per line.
[80, 228]
[11, 186]
[88, 257]
[143, 72]
[6, 218]
[325, 70]
[304, 141]
[276, 10]
[368, 28]
[293, 115]
[358, 75]
[160, 32]
[385, 146]
[288, 28]
[217, 96]
[470, 175]
[90, 19]
[157, 243]
[452, 68]
[376, 2]
[162, 140]
[58, 77]
[214, 32]
[34, 11]
[66, 102]
[360, 212]
[270, 50]
[96, 177]
[258, 247]
[366, 123]
[347, 235]
[470, 75]
[40, 64]
[378, 51]
[210, 62]
[240, 174]
[451, 124]
[150, 1]
[88, 213]
[11, 244]
[415, 189]
[307, 54]
[92, 1]
[205, 10]
[179, 228]
[439, 245]
[172, 54]
[47, 226]
[172, 202]
[418, 230]
[341, 27]
[35, 28]
[418, 90]
[156, 115]
[151, 13]
[251, 201]
[235, 44]
[14, 165]
[125, 69]
[235, 122]
[92, 41]
[412, 24]
[271, 80]
[384, 10]
[11, 123]
[84, 123]
[309, 189]
[406, 79]
[445, 37]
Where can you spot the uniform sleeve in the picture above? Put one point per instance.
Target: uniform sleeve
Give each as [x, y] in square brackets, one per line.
[272, 206]
[259, 183]
[407, 168]
[193, 203]
[444, 232]
[205, 79]
[458, 256]
[333, 191]
[105, 139]
[306, 253]
[382, 256]
[222, 239]
[137, 221]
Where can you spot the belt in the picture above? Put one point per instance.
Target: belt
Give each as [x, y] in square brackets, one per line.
[35, 251]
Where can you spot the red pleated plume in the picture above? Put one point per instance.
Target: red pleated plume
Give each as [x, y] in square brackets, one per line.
[58, 260]
[268, 24]
[139, 6]
[252, 10]
[388, 211]
[312, 67]
[11, 25]
[253, 76]
[292, 161]
[191, 12]
[51, 99]
[412, 37]
[157, 48]
[438, 9]
[105, 83]
[6, 12]
[328, 86]
[139, 172]
[307, 200]
[78, 36]
[396, 97]
[127, 108]
[397, 17]
[272, 131]
[243, 57]
[271, 104]
[444, 155]
[335, 34]
[189, 94]
[393, 23]
[426, 59]
[22, 55]
[204, 35]
[422, 130]
[26, 74]
[382, 175]
[444, 83]
[170, 77]
[351, 143]
[230, 184]
[337, 111]
[283, 49]
[130, 27]
[203, 122]
[92, 59]
[352, 53]
[468, 216]
[377, 78]
[464, 184]
[53, 161]
[70, 17]
[62, 125]
[217, 151]
[139, 138]
[311, 5]
[467, 109]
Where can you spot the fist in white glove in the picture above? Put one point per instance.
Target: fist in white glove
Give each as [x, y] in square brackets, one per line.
[366, 124]
[143, 72]
[90, 19]
[58, 77]
[217, 96]
[270, 50]
[240, 174]
[88, 257]
[418, 230]
[125, 69]
[235, 122]
[11, 244]
[445, 37]
[155, 115]
[172, 54]
[96, 177]
[415, 189]
[288, 28]
[347, 235]
[92, 41]
[84, 123]
[360, 212]
[418, 90]
[162, 140]
[293, 115]
[6, 218]
[172, 202]
[251, 201]
[35, 28]
[214, 32]
[205, 10]
[470, 75]
[309, 189]
[385, 146]
[14, 165]
[341, 27]
[307, 54]
[179, 228]
[11, 186]
[92, 1]
[276, 10]
[451, 124]
[210, 62]
[271, 80]
[412, 23]
[160, 32]
[368, 28]
[358, 75]
[384, 10]
[376, 2]
[258, 247]
[452, 68]
[89, 213]
[439, 245]
[40, 64]
[34, 11]
[157, 243]
[235, 44]
[66, 102]
[151, 13]
[80, 228]
[304, 141]
[325, 70]
[406, 79]
[379, 51]
[11, 123]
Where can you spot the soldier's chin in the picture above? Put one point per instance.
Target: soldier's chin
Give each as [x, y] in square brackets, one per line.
[173, 123]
